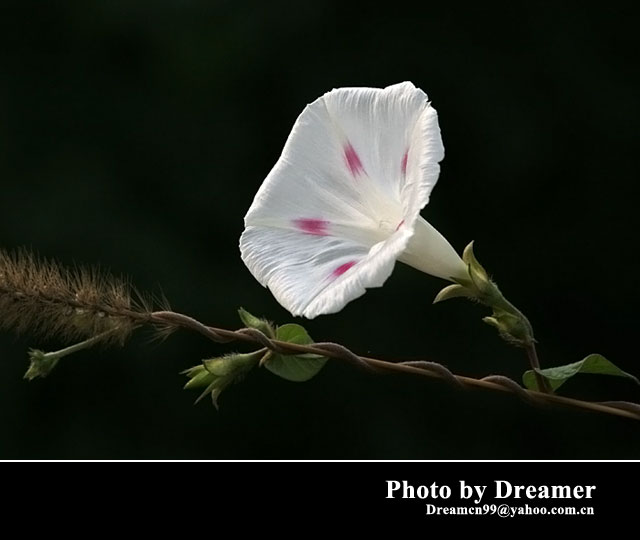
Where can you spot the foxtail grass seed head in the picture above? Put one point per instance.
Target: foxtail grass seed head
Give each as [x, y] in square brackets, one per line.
[44, 298]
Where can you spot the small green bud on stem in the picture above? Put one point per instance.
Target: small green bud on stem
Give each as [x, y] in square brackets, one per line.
[216, 374]
[251, 321]
[510, 322]
[42, 363]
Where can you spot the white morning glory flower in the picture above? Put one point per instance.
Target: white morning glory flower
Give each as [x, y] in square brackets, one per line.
[343, 202]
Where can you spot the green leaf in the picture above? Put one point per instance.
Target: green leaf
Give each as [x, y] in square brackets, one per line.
[295, 367]
[293, 333]
[557, 376]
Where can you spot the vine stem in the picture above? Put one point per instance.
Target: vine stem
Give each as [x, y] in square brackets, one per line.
[417, 369]
[82, 345]
[543, 383]
[530, 348]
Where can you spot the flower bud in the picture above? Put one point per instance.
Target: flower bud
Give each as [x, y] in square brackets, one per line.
[216, 374]
[251, 321]
[41, 363]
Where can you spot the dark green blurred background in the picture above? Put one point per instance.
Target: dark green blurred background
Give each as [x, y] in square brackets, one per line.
[135, 135]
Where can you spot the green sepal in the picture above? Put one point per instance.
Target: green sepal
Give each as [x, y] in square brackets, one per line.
[452, 291]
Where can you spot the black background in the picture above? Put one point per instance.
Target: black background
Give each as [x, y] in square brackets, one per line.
[209, 497]
[135, 135]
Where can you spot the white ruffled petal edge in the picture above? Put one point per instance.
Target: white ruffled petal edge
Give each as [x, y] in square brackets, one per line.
[314, 275]
[340, 205]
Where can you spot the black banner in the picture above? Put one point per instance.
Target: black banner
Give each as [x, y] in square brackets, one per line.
[355, 493]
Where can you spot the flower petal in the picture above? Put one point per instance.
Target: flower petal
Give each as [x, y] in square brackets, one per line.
[312, 275]
[339, 206]
[355, 156]
[395, 133]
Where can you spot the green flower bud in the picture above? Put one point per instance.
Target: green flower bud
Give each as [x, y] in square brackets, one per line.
[41, 363]
[512, 325]
[216, 374]
[512, 328]
[198, 377]
[250, 321]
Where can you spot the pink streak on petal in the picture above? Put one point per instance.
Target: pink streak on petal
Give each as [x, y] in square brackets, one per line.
[403, 165]
[400, 224]
[317, 227]
[353, 160]
[343, 268]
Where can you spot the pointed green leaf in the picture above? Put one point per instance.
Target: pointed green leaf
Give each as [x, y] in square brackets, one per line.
[298, 367]
[557, 376]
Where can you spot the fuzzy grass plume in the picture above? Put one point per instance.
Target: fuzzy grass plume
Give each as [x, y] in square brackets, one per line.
[42, 297]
